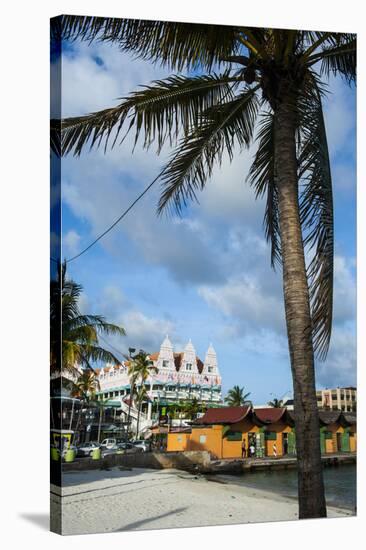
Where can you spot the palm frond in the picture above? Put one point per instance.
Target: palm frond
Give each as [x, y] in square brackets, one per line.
[222, 127]
[55, 136]
[262, 177]
[316, 212]
[339, 59]
[162, 110]
[92, 354]
[176, 45]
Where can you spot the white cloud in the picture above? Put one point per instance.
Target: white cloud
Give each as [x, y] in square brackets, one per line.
[71, 243]
[244, 300]
[339, 369]
[145, 332]
[344, 290]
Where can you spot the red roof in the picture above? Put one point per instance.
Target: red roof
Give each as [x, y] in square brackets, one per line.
[269, 415]
[223, 415]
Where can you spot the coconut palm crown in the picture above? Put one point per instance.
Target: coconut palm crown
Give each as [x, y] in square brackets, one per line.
[238, 85]
[236, 397]
[86, 385]
[276, 403]
[210, 114]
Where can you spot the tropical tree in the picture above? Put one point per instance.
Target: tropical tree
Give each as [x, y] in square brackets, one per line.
[101, 405]
[236, 397]
[141, 396]
[86, 386]
[140, 367]
[191, 408]
[276, 403]
[268, 83]
[75, 341]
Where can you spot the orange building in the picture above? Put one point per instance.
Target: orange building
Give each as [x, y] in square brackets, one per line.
[337, 432]
[228, 431]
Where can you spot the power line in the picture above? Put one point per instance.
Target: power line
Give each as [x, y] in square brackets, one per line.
[112, 347]
[120, 217]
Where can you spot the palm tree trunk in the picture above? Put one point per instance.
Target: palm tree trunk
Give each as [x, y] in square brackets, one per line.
[298, 318]
[138, 419]
[100, 423]
[132, 389]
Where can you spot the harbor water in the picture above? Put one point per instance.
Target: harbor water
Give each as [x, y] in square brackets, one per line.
[340, 484]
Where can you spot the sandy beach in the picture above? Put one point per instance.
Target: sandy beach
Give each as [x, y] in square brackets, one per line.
[138, 499]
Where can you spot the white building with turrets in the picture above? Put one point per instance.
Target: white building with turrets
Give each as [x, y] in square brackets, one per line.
[181, 376]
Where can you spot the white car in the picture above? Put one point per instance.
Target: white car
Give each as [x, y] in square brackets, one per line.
[86, 449]
[142, 444]
[108, 443]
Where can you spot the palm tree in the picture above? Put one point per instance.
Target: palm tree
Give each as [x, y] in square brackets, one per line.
[236, 397]
[75, 343]
[101, 404]
[140, 368]
[141, 395]
[276, 403]
[281, 76]
[191, 408]
[86, 386]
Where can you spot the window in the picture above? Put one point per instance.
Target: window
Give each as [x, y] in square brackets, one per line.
[270, 436]
[188, 366]
[165, 363]
[202, 439]
[234, 436]
[209, 369]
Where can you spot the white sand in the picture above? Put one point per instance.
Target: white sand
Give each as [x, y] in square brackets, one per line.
[107, 501]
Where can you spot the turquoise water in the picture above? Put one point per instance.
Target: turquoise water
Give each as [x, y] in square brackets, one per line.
[340, 484]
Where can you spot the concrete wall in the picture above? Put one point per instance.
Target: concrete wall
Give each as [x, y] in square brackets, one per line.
[207, 439]
[177, 442]
[178, 460]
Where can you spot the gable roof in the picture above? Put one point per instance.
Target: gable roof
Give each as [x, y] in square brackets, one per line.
[223, 415]
[329, 417]
[269, 415]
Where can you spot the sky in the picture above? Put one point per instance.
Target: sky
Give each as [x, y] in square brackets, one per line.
[205, 275]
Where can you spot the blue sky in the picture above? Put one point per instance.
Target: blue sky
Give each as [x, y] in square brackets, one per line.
[205, 276]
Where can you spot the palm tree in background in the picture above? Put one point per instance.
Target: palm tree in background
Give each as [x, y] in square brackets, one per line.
[247, 83]
[140, 367]
[236, 397]
[86, 386]
[141, 396]
[191, 408]
[276, 403]
[75, 344]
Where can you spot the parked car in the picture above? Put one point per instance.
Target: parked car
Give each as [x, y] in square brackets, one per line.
[121, 448]
[86, 449]
[128, 448]
[110, 443]
[143, 444]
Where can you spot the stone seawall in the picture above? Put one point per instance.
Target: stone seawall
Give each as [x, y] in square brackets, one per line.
[191, 461]
[197, 462]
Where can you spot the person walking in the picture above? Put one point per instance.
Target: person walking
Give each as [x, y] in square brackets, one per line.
[243, 449]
